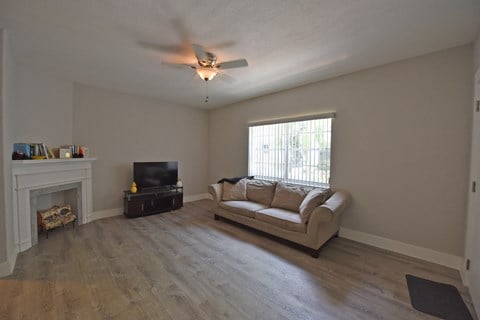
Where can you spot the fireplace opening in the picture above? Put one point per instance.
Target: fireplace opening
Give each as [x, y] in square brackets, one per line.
[54, 207]
[54, 217]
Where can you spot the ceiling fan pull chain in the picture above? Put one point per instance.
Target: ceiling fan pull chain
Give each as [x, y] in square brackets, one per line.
[206, 91]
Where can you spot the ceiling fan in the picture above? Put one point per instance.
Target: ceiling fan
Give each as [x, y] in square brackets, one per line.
[207, 66]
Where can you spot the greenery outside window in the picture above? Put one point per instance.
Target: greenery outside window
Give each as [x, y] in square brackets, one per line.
[294, 150]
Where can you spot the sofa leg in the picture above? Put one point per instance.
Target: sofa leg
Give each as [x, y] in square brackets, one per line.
[335, 235]
[216, 217]
[315, 253]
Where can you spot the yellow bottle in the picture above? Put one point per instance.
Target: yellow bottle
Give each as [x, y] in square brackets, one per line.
[133, 187]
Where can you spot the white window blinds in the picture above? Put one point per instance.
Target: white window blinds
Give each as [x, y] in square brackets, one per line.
[294, 151]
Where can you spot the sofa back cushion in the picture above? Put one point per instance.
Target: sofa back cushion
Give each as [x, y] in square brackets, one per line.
[237, 191]
[261, 191]
[289, 196]
[313, 199]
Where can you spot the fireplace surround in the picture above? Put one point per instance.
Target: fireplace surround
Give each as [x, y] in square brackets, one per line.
[32, 178]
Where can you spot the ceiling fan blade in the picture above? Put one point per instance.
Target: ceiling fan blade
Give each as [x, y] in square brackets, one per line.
[233, 64]
[199, 52]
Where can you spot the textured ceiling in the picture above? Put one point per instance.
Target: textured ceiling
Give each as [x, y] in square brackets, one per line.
[287, 43]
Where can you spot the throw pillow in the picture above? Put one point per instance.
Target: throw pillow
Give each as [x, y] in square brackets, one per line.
[289, 196]
[313, 199]
[237, 191]
[261, 191]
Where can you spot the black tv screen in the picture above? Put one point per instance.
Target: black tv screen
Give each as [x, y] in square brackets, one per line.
[155, 174]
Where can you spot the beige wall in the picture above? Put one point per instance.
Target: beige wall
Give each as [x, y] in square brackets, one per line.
[476, 53]
[400, 144]
[120, 129]
[43, 108]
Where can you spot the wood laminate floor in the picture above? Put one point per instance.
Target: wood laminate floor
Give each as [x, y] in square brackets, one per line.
[186, 265]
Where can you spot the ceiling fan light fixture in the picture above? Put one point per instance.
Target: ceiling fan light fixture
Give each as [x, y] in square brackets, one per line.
[207, 73]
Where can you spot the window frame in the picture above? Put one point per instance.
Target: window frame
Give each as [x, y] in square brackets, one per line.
[329, 115]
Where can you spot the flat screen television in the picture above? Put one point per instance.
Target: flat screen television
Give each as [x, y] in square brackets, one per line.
[155, 174]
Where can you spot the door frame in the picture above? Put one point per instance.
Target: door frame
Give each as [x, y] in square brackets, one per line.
[473, 212]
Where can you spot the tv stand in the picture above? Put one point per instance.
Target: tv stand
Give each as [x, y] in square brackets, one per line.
[152, 201]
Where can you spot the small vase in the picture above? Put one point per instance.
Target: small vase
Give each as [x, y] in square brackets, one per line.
[133, 187]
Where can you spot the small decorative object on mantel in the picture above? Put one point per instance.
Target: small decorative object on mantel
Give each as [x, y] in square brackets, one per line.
[21, 151]
[51, 155]
[64, 153]
[84, 150]
[133, 187]
[75, 151]
[28, 151]
[39, 151]
[179, 183]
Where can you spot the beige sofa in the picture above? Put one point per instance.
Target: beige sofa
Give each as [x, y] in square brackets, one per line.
[267, 208]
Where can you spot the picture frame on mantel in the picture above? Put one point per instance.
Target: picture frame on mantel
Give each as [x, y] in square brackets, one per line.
[64, 153]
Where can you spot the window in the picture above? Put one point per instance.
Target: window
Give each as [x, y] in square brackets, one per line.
[296, 150]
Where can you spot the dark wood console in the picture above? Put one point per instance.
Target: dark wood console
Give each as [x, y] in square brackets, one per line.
[152, 201]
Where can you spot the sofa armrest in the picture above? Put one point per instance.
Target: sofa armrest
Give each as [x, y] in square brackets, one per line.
[329, 212]
[216, 191]
[337, 203]
[320, 215]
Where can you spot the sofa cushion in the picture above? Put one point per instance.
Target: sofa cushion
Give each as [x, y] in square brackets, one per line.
[244, 208]
[237, 191]
[282, 218]
[313, 199]
[261, 191]
[289, 196]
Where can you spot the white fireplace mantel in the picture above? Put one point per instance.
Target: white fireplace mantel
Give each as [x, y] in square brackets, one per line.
[30, 176]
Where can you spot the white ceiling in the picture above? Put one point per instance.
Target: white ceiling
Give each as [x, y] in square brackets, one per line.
[286, 42]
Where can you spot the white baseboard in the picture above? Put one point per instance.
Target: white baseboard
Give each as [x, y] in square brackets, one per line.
[6, 268]
[426, 254]
[105, 214]
[196, 197]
